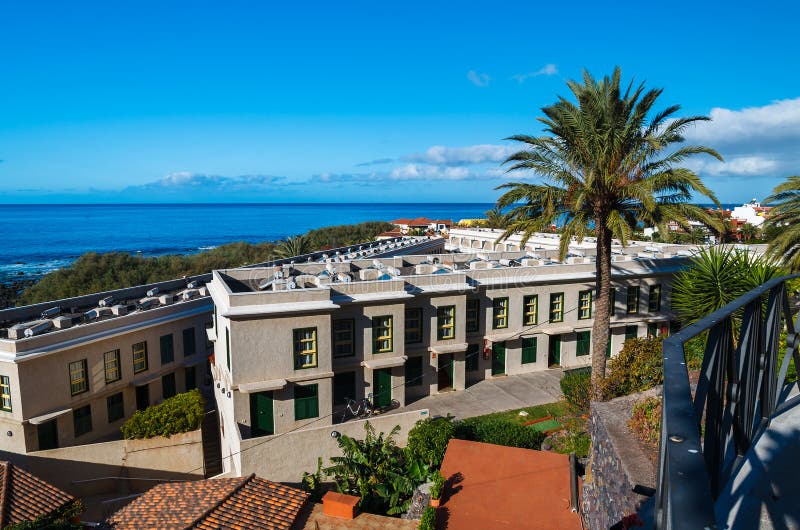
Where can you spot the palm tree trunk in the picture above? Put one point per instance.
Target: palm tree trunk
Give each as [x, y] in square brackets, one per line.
[600, 331]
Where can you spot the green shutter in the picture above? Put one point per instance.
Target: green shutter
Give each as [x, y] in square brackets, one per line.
[583, 346]
[414, 371]
[472, 357]
[189, 345]
[529, 346]
[167, 349]
[306, 402]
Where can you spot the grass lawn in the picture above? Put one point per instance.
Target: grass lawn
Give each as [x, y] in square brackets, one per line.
[556, 410]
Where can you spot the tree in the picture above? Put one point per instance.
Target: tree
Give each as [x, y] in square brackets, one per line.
[608, 163]
[495, 218]
[784, 220]
[293, 246]
[749, 232]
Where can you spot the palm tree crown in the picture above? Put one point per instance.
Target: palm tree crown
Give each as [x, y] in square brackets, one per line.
[785, 217]
[608, 164]
[293, 246]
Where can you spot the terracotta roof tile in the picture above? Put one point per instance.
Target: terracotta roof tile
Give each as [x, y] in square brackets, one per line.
[24, 497]
[234, 503]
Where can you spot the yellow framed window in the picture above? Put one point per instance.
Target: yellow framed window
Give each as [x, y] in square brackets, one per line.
[413, 332]
[139, 357]
[557, 307]
[585, 305]
[381, 334]
[500, 313]
[78, 382]
[446, 322]
[5, 393]
[111, 365]
[305, 348]
[530, 308]
[344, 337]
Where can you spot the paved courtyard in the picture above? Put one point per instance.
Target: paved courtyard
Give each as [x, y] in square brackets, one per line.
[494, 395]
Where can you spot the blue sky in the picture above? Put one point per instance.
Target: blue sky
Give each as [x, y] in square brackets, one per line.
[364, 101]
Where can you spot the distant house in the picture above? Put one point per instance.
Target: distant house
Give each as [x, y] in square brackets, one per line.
[244, 502]
[492, 486]
[24, 496]
[422, 223]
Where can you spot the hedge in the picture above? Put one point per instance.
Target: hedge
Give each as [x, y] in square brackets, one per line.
[180, 413]
[637, 367]
[427, 441]
[576, 385]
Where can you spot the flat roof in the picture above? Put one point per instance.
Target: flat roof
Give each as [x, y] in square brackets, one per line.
[492, 486]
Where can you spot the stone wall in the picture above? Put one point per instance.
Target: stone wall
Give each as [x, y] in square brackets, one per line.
[618, 463]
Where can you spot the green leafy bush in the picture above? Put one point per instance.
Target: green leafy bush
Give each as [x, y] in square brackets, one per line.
[180, 413]
[637, 367]
[428, 520]
[427, 441]
[645, 420]
[576, 385]
[438, 485]
[572, 442]
[64, 518]
[312, 482]
[499, 432]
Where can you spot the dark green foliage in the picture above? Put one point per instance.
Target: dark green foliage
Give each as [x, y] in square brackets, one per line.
[65, 518]
[427, 441]
[438, 485]
[94, 273]
[312, 482]
[637, 367]
[576, 385]
[428, 520]
[180, 413]
[499, 432]
[784, 223]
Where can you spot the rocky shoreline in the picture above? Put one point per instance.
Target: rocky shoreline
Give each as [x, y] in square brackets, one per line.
[11, 289]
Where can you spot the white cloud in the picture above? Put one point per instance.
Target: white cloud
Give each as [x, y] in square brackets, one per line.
[438, 172]
[546, 70]
[471, 154]
[187, 181]
[778, 120]
[478, 79]
[736, 166]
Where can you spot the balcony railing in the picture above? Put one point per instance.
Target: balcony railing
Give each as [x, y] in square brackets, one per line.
[741, 388]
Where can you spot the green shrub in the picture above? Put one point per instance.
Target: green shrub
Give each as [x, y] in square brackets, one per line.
[427, 441]
[576, 386]
[438, 485]
[572, 442]
[428, 520]
[312, 482]
[181, 413]
[637, 367]
[499, 432]
[645, 420]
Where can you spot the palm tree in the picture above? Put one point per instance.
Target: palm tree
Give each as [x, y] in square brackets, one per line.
[608, 164]
[293, 246]
[495, 218]
[784, 219]
[749, 232]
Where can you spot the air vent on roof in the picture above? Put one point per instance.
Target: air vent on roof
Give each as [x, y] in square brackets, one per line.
[145, 304]
[49, 313]
[62, 322]
[192, 284]
[119, 310]
[166, 299]
[108, 301]
[152, 292]
[38, 327]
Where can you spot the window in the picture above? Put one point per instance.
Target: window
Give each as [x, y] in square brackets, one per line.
[139, 357]
[115, 407]
[500, 313]
[473, 315]
[344, 337]
[529, 345]
[414, 371]
[167, 349]
[472, 357]
[413, 325]
[530, 308]
[228, 347]
[583, 343]
[381, 334]
[168, 385]
[633, 299]
[306, 402]
[446, 322]
[189, 345]
[5, 393]
[652, 329]
[674, 326]
[557, 307]
[344, 388]
[612, 301]
[654, 299]
[631, 332]
[584, 305]
[82, 420]
[608, 344]
[305, 348]
[190, 377]
[112, 368]
[78, 383]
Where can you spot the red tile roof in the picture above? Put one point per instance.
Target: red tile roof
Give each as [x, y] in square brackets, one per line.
[420, 221]
[492, 486]
[24, 497]
[231, 503]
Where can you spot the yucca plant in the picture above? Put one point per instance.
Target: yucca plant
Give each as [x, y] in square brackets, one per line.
[785, 220]
[609, 162]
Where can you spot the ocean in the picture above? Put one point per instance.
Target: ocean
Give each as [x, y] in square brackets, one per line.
[37, 239]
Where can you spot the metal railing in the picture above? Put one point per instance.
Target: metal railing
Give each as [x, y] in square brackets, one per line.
[741, 388]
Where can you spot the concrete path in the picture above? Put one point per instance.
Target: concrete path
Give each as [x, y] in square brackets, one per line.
[496, 394]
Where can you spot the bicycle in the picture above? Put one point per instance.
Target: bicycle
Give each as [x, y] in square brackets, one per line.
[362, 408]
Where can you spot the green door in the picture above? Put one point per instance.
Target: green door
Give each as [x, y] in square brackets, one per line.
[498, 358]
[382, 397]
[48, 435]
[261, 414]
[554, 353]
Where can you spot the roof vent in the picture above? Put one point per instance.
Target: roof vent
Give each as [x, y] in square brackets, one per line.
[49, 313]
[152, 292]
[108, 301]
[192, 284]
[38, 328]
